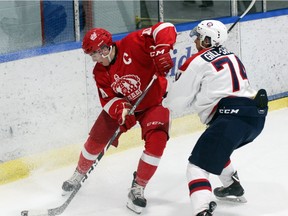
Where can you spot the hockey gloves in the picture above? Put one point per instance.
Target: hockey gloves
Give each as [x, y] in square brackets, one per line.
[162, 59]
[125, 120]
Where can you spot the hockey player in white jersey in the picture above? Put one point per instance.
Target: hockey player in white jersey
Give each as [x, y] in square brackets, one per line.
[214, 84]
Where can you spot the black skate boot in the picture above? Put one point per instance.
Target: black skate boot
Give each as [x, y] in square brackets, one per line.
[234, 192]
[136, 200]
[71, 183]
[208, 212]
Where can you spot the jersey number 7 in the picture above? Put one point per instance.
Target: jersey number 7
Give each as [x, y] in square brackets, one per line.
[218, 64]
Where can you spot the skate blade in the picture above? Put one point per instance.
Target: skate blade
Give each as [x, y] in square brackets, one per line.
[134, 208]
[240, 199]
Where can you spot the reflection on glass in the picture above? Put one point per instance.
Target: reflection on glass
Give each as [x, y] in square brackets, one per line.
[20, 26]
[273, 5]
[182, 11]
[34, 23]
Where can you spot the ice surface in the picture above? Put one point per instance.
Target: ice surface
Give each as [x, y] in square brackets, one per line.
[262, 168]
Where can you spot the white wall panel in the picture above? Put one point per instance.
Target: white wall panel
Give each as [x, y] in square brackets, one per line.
[43, 103]
[264, 52]
[51, 100]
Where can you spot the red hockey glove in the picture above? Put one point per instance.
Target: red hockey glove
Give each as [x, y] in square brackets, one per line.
[162, 59]
[125, 120]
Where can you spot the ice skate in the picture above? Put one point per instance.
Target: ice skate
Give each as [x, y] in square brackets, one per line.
[208, 212]
[136, 200]
[233, 193]
[69, 185]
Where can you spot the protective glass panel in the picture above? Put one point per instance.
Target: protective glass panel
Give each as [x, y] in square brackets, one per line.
[20, 25]
[273, 5]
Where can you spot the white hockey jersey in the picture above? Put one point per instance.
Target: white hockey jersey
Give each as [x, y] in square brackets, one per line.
[206, 78]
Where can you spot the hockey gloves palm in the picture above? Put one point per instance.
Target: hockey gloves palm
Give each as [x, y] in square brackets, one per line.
[125, 120]
[162, 59]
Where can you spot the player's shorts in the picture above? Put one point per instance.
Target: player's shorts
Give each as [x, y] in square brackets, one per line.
[229, 130]
[153, 118]
[103, 129]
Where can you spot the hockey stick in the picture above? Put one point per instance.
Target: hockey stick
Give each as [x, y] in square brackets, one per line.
[59, 210]
[245, 12]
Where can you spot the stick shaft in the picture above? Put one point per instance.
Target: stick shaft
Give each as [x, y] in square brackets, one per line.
[244, 13]
[59, 210]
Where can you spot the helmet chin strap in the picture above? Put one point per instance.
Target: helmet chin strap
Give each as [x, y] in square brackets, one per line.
[108, 55]
[205, 47]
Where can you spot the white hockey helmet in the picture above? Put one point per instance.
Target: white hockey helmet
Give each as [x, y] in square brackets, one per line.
[215, 30]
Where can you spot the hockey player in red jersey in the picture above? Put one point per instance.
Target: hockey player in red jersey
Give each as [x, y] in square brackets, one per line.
[123, 70]
[214, 84]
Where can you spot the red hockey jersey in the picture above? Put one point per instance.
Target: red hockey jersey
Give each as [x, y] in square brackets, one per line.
[133, 69]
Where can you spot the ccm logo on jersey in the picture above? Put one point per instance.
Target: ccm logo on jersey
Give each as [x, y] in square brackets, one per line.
[228, 111]
[154, 123]
[157, 52]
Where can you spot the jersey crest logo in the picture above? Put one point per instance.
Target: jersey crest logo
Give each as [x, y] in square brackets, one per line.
[126, 59]
[128, 85]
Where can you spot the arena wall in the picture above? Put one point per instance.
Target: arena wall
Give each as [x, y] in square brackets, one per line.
[49, 102]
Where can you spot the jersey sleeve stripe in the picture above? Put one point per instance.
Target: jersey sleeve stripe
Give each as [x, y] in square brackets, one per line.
[161, 27]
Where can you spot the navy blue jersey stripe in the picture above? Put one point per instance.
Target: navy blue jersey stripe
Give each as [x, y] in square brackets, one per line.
[199, 184]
